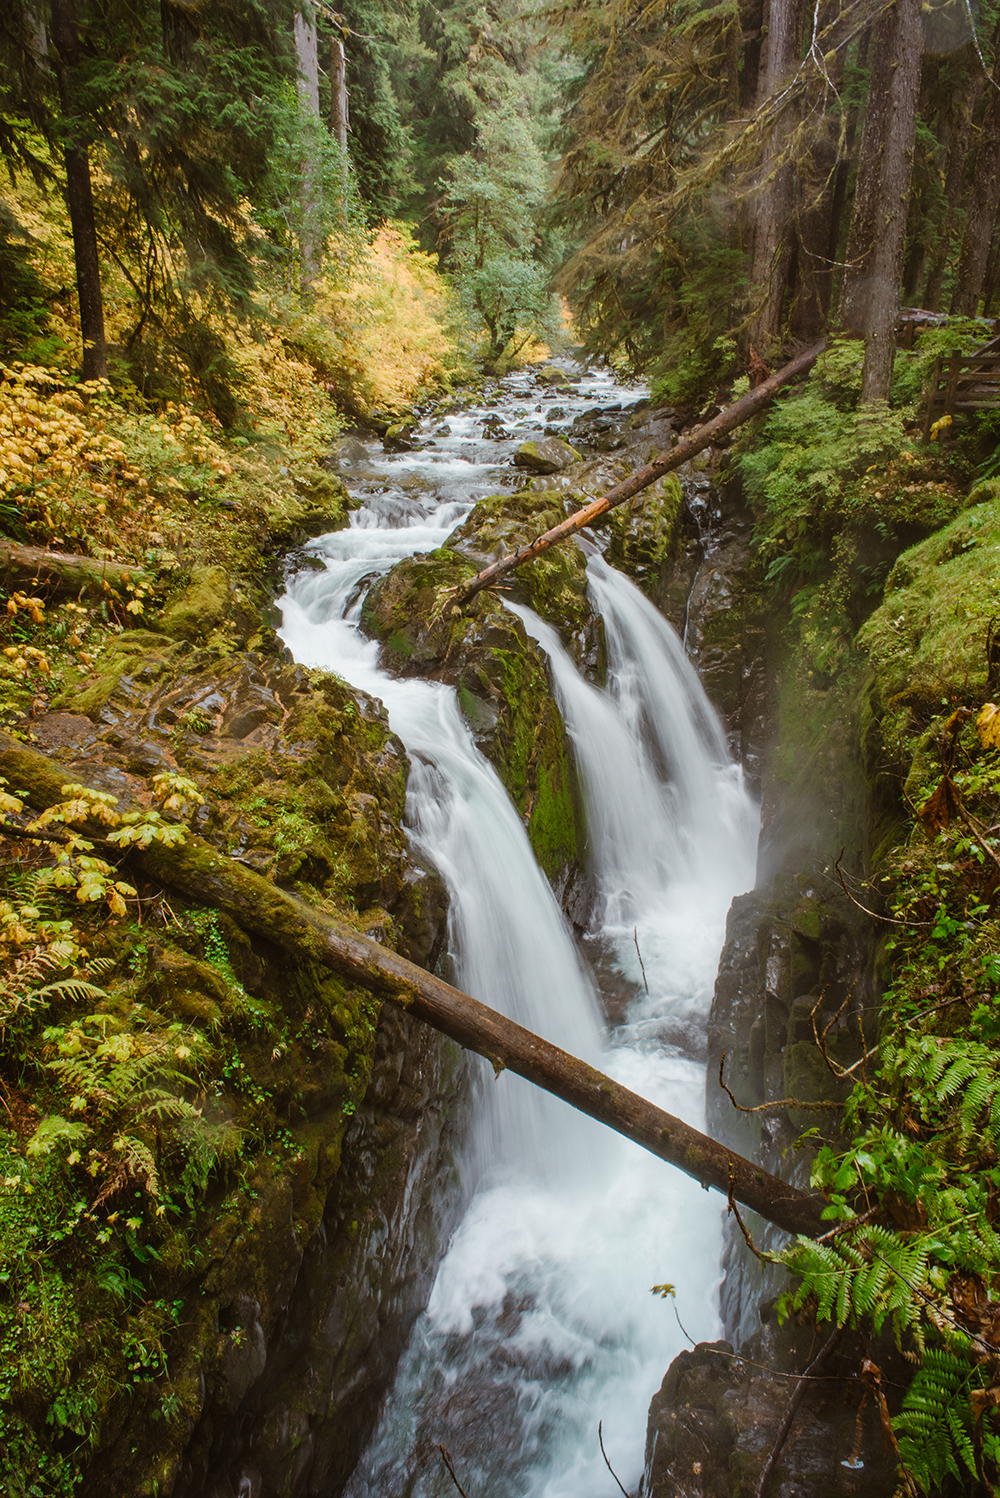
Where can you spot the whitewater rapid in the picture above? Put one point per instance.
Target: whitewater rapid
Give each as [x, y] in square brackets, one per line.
[541, 1323]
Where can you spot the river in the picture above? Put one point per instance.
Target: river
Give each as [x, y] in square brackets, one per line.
[541, 1324]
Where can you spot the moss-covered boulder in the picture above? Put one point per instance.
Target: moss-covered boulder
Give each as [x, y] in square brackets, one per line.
[555, 583]
[547, 456]
[200, 607]
[303, 780]
[502, 684]
[926, 642]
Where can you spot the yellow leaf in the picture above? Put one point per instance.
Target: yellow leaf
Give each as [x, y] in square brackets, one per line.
[988, 726]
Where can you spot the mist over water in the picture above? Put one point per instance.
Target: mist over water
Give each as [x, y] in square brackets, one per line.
[541, 1322]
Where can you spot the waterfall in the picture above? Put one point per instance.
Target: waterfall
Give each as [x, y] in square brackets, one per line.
[541, 1322]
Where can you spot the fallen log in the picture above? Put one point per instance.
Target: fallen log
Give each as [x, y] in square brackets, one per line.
[63, 572]
[733, 416]
[204, 874]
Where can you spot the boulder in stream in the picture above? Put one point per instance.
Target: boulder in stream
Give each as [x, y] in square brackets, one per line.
[550, 455]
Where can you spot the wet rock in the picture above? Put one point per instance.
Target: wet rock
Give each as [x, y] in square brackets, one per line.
[557, 413]
[644, 532]
[398, 438]
[551, 375]
[709, 590]
[548, 456]
[713, 1423]
[352, 450]
[201, 607]
[494, 429]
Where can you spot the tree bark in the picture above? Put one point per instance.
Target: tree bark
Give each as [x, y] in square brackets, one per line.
[983, 205]
[206, 875]
[339, 114]
[772, 249]
[733, 416]
[308, 88]
[62, 572]
[79, 195]
[878, 224]
[958, 153]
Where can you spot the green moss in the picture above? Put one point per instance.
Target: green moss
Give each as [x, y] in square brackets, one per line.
[645, 529]
[926, 641]
[552, 828]
[202, 605]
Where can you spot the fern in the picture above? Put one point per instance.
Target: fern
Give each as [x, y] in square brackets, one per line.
[934, 1426]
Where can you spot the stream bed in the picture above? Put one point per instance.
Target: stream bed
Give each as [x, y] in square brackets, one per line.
[541, 1324]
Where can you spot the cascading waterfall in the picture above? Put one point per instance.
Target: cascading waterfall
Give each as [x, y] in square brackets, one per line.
[540, 1323]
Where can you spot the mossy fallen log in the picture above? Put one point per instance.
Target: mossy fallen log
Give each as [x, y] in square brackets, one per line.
[204, 874]
[63, 572]
[733, 416]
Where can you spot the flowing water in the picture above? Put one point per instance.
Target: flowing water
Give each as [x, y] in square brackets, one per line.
[541, 1323]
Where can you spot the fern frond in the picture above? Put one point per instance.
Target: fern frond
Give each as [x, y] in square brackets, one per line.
[74, 989]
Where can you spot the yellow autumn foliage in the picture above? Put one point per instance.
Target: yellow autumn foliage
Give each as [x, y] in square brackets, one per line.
[378, 327]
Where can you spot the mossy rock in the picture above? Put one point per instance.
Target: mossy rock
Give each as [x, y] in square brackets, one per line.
[926, 642]
[502, 683]
[201, 607]
[644, 530]
[550, 455]
[553, 584]
[809, 1079]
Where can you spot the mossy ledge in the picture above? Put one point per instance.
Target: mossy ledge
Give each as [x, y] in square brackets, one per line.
[501, 678]
[181, 1332]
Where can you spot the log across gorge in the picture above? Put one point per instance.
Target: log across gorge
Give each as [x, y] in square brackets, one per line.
[204, 874]
[666, 462]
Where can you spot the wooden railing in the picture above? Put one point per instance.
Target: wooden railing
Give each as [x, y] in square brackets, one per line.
[963, 382]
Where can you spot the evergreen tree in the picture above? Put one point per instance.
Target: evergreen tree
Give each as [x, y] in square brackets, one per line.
[176, 105]
[492, 202]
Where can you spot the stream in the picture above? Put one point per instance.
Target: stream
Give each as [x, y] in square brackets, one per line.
[541, 1323]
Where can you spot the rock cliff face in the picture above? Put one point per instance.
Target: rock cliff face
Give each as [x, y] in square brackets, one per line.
[797, 960]
[302, 1359]
[298, 1272]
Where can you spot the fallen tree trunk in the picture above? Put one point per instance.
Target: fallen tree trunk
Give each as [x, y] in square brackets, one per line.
[63, 572]
[206, 875]
[733, 416]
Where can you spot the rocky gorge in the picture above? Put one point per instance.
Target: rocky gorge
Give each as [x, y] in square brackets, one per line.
[300, 1278]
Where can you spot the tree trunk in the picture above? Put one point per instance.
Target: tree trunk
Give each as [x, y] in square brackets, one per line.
[308, 88]
[205, 875]
[983, 205]
[339, 116]
[992, 276]
[62, 572]
[844, 165]
[79, 194]
[733, 416]
[958, 154]
[772, 247]
[878, 224]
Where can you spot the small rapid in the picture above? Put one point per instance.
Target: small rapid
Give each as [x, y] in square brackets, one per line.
[541, 1322]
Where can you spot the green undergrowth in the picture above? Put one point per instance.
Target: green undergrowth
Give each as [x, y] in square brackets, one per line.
[885, 555]
[134, 1108]
[837, 493]
[159, 1075]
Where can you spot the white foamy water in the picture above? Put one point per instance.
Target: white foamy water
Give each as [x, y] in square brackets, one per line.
[541, 1321]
